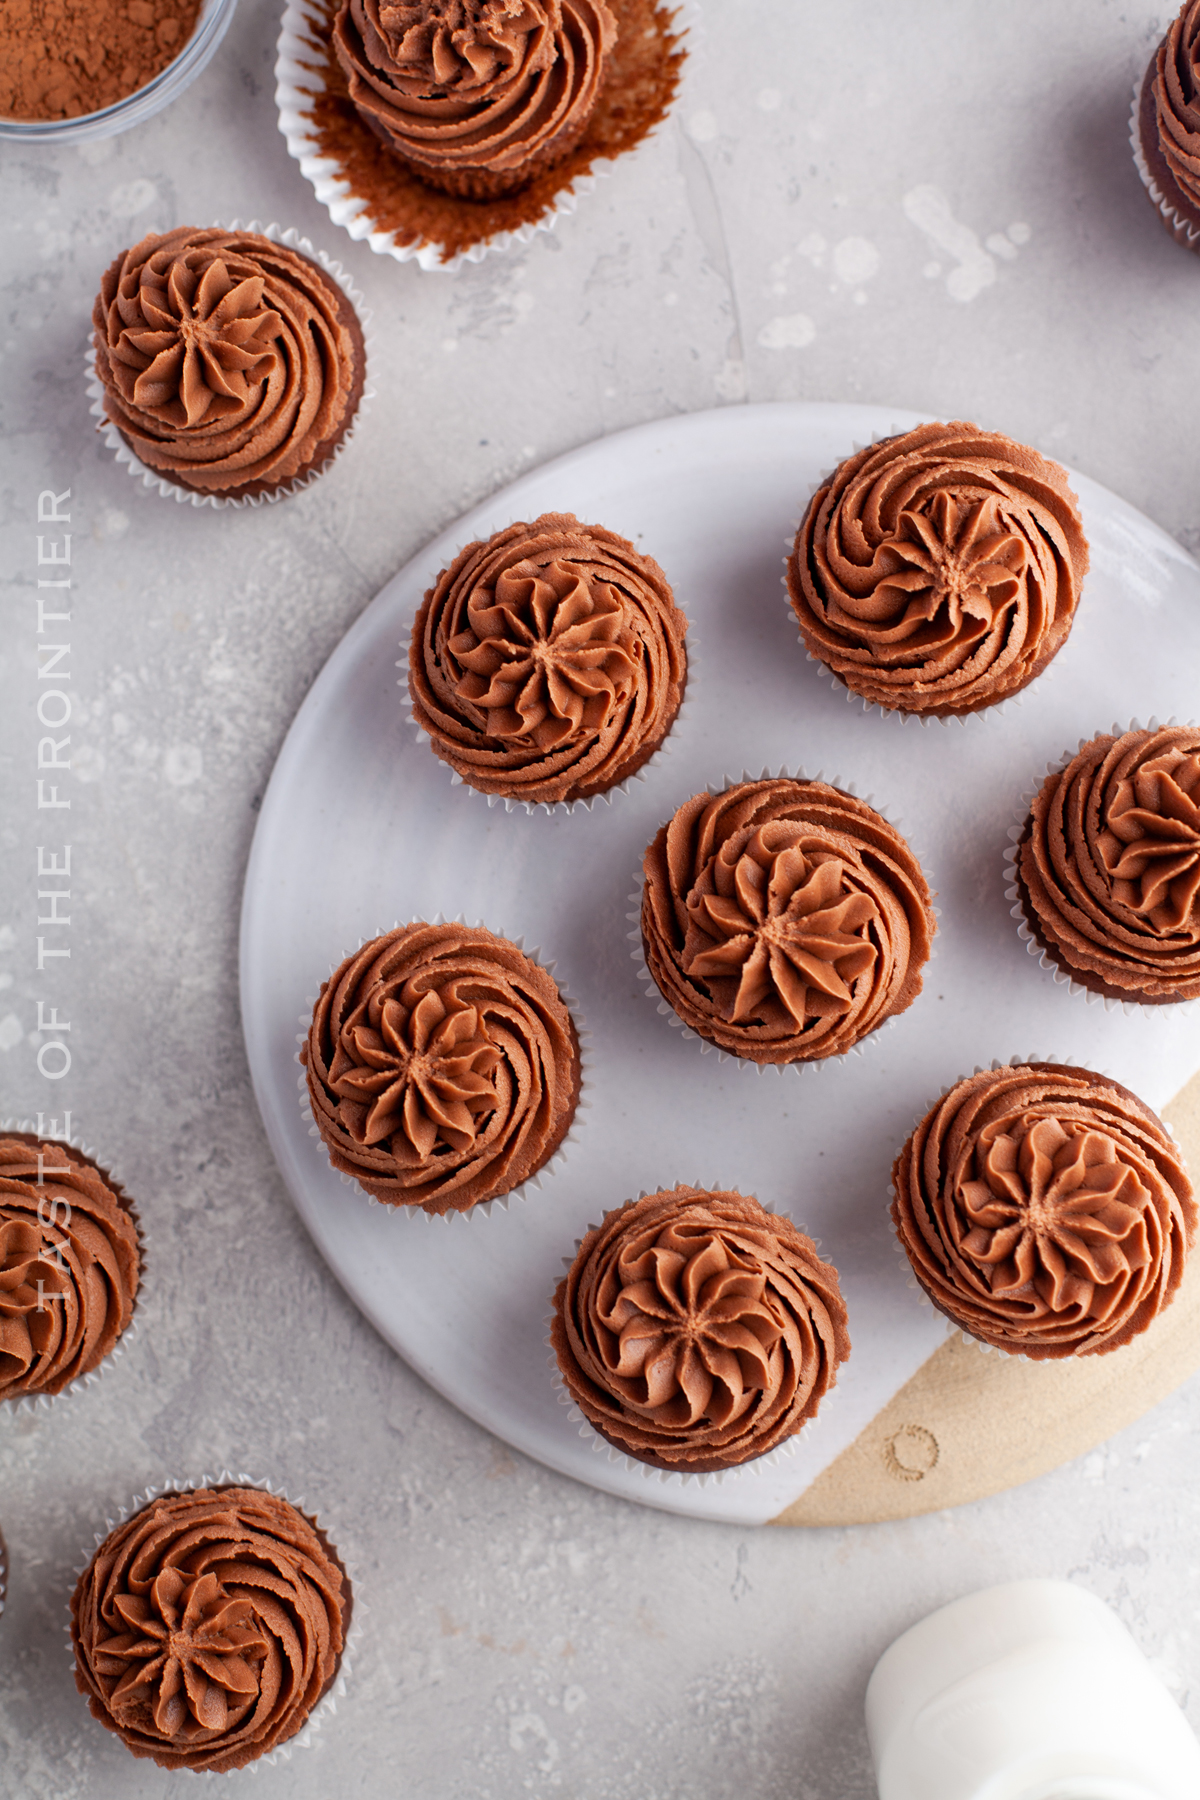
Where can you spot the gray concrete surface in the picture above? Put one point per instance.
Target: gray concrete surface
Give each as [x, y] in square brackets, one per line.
[930, 206]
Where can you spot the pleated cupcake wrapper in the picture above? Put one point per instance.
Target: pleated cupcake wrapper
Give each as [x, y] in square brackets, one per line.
[301, 48]
[1012, 893]
[39, 1403]
[677, 1478]
[999, 710]
[326, 1707]
[514, 804]
[998, 1062]
[1181, 228]
[155, 481]
[654, 994]
[570, 1142]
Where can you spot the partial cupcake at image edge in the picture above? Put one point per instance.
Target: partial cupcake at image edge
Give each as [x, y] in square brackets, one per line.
[784, 920]
[442, 1066]
[696, 1331]
[209, 1625]
[548, 663]
[1107, 869]
[1165, 128]
[231, 364]
[936, 573]
[1045, 1210]
[70, 1266]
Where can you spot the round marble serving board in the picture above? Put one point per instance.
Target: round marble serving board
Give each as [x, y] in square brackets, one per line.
[361, 826]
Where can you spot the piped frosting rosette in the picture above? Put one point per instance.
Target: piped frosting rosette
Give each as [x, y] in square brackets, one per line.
[1164, 128]
[1106, 866]
[937, 572]
[696, 1331]
[783, 920]
[70, 1267]
[477, 98]
[1045, 1210]
[442, 1067]
[211, 1629]
[547, 664]
[230, 364]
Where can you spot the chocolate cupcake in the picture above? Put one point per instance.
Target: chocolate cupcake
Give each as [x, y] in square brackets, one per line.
[937, 572]
[476, 99]
[1108, 868]
[1045, 1210]
[548, 663]
[696, 1331]
[207, 1627]
[443, 1067]
[784, 920]
[70, 1265]
[1166, 128]
[231, 365]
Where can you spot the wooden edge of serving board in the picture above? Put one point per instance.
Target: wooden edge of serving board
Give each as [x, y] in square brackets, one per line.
[971, 1423]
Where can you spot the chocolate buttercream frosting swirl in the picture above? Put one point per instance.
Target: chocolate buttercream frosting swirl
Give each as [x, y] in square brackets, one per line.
[477, 96]
[1170, 113]
[1108, 872]
[230, 364]
[695, 1330]
[443, 1067]
[70, 1265]
[207, 1627]
[548, 663]
[784, 920]
[938, 572]
[1045, 1210]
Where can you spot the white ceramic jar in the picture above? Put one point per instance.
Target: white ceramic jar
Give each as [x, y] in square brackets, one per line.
[1030, 1691]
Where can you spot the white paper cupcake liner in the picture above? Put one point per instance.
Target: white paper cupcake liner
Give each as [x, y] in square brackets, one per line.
[662, 1005]
[998, 710]
[1181, 228]
[1062, 976]
[570, 1142]
[326, 1707]
[35, 1403]
[301, 49]
[153, 480]
[511, 804]
[678, 1478]
[953, 1328]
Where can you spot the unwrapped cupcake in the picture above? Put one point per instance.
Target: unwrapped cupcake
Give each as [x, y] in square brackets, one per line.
[938, 572]
[1108, 868]
[1045, 1210]
[230, 364]
[477, 99]
[549, 663]
[696, 1331]
[443, 1067]
[208, 1626]
[70, 1265]
[784, 920]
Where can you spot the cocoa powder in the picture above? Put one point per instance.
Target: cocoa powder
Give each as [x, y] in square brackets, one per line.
[641, 82]
[62, 58]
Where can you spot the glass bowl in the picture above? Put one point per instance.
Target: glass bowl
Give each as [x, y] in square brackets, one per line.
[166, 86]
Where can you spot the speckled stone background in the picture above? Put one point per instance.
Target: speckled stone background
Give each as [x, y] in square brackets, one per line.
[930, 206]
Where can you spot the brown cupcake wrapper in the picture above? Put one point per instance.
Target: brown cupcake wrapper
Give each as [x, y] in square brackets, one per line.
[326, 1706]
[569, 1143]
[650, 986]
[296, 72]
[1182, 229]
[514, 804]
[154, 481]
[1012, 893]
[34, 1403]
[633, 1465]
[1001, 708]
